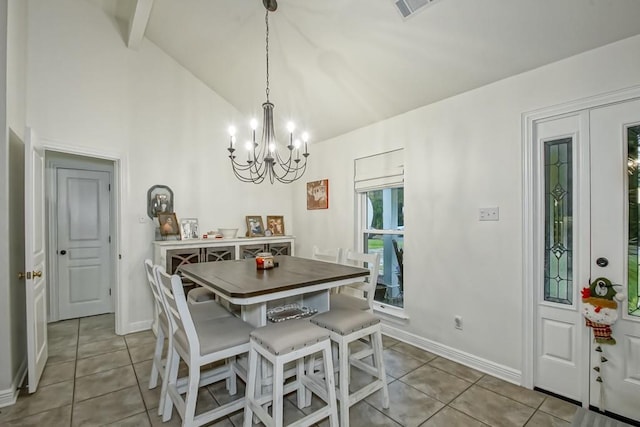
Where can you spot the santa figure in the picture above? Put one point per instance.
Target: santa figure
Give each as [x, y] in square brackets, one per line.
[600, 309]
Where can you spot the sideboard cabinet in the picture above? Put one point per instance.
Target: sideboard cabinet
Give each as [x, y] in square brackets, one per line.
[174, 253]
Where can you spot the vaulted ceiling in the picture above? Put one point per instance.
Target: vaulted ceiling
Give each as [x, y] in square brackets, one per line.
[338, 65]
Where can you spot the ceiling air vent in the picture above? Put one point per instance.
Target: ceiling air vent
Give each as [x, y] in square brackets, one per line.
[410, 7]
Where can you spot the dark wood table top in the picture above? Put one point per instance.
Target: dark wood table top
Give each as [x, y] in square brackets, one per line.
[241, 278]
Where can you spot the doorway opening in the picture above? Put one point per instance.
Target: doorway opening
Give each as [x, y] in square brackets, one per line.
[82, 234]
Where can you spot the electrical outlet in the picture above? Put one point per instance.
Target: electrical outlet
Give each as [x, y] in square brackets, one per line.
[489, 214]
[457, 322]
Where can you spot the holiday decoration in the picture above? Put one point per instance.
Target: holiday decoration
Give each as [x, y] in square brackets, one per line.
[600, 309]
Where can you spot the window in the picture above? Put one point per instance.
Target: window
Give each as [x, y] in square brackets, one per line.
[384, 234]
[379, 182]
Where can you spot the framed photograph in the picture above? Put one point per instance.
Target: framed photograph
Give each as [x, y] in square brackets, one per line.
[255, 227]
[318, 194]
[189, 227]
[159, 200]
[275, 224]
[169, 224]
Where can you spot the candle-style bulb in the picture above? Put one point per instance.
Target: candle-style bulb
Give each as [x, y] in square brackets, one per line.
[232, 130]
[254, 124]
[291, 127]
[305, 137]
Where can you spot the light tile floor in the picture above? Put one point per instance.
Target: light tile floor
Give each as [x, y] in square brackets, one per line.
[94, 377]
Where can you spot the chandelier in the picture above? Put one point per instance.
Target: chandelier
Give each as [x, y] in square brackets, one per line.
[263, 159]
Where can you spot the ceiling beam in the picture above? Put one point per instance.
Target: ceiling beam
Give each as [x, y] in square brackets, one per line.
[138, 23]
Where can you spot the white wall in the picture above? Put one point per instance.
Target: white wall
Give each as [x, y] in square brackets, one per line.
[462, 153]
[86, 89]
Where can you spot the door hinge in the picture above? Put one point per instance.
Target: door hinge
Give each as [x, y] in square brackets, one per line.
[119, 256]
[109, 187]
[109, 239]
[109, 291]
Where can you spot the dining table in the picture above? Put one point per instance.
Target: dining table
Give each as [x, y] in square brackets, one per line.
[293, 281]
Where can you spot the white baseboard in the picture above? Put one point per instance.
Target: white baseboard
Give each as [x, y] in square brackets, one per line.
[143, 325]
[9, 396]
[483, 365]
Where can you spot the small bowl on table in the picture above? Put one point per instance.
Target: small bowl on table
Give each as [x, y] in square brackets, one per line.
[228, 233]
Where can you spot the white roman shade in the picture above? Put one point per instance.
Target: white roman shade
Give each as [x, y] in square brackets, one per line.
[382, 170]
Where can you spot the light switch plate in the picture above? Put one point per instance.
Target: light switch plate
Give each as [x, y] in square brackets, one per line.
[489, 214]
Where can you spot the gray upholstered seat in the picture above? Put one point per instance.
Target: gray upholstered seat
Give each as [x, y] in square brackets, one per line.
[217, 334]
[208, 310]
[281, 338]
[345, 322]
[200, 294]
[344, 300]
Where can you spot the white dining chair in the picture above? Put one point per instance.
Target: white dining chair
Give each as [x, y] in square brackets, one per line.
[204, 311]
[199, 343]
[328, 255]
[358, 295]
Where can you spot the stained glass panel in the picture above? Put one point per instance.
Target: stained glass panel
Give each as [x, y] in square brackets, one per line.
[633, 161]
[558, 237]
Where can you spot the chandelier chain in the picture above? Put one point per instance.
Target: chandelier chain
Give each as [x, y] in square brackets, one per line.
[266, 20]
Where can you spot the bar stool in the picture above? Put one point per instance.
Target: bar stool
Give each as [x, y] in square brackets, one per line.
[346, 326]
[279, 344]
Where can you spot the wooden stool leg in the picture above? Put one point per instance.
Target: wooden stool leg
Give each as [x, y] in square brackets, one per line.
[302, 390]
[330, 384]
[343, 360]
[278, 393]
[379, 363]
[252, 374]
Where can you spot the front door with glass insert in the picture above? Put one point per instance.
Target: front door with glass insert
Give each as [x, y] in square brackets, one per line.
[615, 178]
[588, 227]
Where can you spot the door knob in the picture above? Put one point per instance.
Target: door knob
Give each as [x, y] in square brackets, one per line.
[602, 262]
[22, 275]
[63, 252]
[37, 274]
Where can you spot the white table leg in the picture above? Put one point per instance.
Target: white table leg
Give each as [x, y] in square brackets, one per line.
[255, 314]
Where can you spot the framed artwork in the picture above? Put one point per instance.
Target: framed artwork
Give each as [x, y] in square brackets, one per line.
[318, 194]
[275, 224]
[159, 200]
[189, 227]
[168, 224]
[255, 227]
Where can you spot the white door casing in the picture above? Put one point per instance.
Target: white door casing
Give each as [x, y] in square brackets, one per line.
[619, 391]
[83, 252]
[35, 260]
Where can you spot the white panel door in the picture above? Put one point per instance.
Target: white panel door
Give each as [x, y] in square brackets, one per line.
[35, 259]
[561, 144]
[615, 176]
[84, 264]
